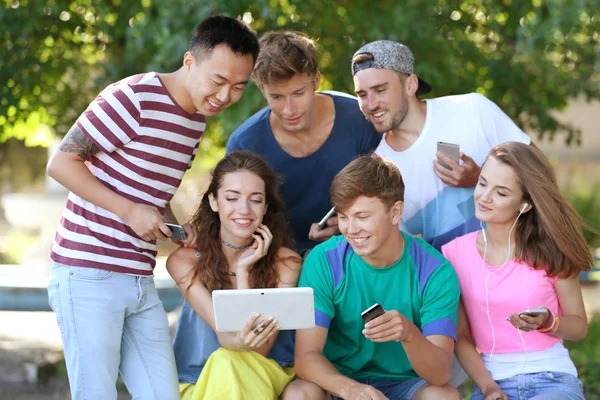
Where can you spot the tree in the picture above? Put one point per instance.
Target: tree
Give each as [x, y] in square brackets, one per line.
[530, 57]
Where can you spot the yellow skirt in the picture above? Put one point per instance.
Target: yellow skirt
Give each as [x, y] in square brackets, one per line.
[238, 375]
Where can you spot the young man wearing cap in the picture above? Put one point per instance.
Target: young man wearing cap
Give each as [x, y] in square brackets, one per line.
[307, 137]
[439, 200]
[122, 161]
[403, 349]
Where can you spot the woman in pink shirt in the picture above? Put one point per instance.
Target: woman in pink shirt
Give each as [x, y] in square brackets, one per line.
[519, 281]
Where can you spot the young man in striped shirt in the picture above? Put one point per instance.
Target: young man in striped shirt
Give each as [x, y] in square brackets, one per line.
[122, 161]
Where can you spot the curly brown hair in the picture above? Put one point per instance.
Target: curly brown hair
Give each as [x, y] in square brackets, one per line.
[211, 268]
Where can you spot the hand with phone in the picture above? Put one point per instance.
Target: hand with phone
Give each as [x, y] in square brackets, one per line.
[450, 170]
[324, 229]
[529, 320]
[262, 240]
[388, 326]
[183, 235]
[146, 221]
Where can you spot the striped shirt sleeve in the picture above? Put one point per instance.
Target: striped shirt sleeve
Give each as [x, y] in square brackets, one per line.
[112, 119]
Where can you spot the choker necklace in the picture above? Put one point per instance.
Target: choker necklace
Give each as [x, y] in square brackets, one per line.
[232, 246]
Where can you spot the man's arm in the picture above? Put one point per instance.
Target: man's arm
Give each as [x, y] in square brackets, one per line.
[67, 167]
[312, 366]
[431, 357]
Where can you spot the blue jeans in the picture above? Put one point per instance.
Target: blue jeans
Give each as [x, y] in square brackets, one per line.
[540, 386]
[110, 323]
[395, 390]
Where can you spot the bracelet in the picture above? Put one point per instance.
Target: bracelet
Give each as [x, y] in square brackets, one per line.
[557, 325]
[552, 325]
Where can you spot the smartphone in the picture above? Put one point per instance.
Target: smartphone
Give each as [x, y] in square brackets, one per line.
[323, 222]
[535, 312]
[178, 232]
[372, 312]
[452, 150]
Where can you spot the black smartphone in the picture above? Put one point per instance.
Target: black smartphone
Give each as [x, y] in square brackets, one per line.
[178, 231]
[323, 222]
[372, 312]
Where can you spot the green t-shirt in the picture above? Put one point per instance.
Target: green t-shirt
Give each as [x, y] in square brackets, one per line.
[421, 285]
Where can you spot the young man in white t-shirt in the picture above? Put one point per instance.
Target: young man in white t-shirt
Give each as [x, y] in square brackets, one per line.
[438, 202]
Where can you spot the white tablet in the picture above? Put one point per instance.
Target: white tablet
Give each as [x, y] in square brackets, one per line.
[292, 308]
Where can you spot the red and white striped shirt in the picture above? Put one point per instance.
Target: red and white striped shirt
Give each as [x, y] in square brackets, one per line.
[147, 142]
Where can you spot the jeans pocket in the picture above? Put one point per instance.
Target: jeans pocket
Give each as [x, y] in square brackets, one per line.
[55, 304]
[89, 274]
[561, 377]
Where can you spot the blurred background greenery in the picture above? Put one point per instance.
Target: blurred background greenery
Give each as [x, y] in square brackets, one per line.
[529, 56]
[532, 57]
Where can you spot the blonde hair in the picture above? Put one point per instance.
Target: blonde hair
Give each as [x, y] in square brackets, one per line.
[284, 54]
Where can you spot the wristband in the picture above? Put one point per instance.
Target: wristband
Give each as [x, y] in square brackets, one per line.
[552, 325]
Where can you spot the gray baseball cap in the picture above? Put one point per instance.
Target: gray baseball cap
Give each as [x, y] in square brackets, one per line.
[390, 55]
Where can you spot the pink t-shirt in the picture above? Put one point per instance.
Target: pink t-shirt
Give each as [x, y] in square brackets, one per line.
[513, 288]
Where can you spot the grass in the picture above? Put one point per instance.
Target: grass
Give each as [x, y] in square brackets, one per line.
[586, 356]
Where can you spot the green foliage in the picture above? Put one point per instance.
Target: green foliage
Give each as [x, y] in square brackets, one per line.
[586, 357]
[585, 199]
[16, 173]
[14, 246]
[528, 56]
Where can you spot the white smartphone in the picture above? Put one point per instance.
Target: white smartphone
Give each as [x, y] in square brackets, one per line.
[178, 231]
[534, 312]
[323, 222]
[452, 150]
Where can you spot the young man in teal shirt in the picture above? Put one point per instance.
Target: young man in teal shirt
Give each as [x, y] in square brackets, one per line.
[406, 353]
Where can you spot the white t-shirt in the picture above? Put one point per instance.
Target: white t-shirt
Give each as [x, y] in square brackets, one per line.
[431, 208]
[506, 365]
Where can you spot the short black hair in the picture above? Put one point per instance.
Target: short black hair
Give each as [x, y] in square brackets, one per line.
[219, 29]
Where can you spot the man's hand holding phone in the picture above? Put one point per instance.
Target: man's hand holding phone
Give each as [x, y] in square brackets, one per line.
[324, 229]
[146, 221]
[448, 168]
[390, 326]
[183, 235]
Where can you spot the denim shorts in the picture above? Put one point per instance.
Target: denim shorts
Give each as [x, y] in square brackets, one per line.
[544, 385]
[395, 390]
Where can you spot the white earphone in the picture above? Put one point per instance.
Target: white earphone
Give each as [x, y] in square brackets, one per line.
[483, 230]
[488, 276]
